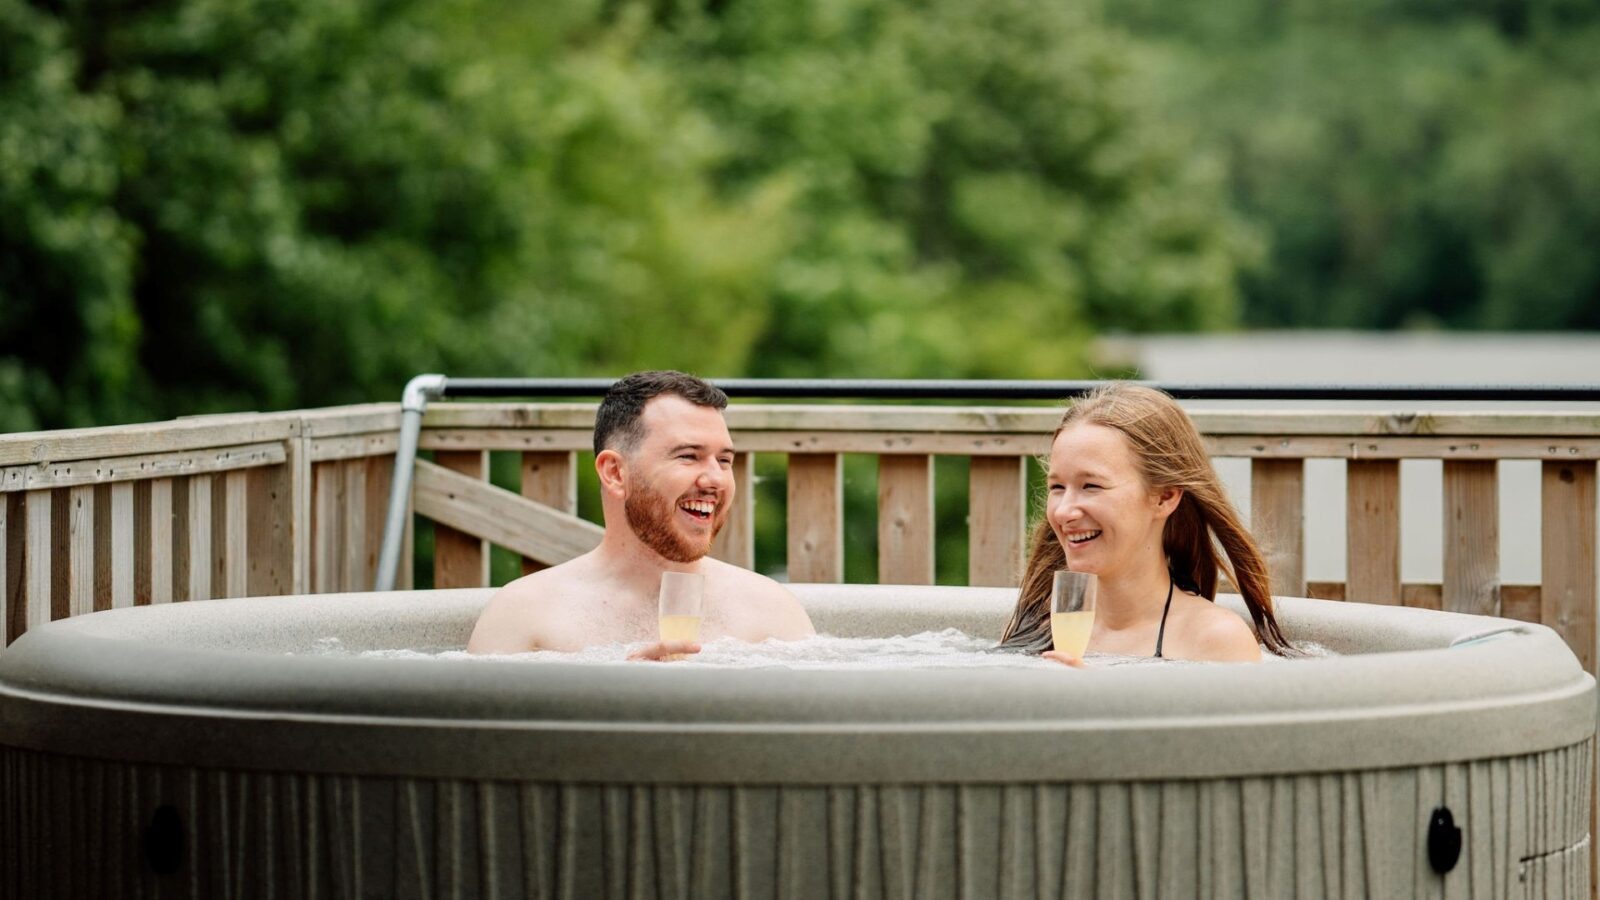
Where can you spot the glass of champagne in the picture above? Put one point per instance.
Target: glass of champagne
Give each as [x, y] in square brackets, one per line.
[1072, 600]
[681, 594]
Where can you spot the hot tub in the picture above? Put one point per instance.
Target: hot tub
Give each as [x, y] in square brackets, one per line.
[195, 750]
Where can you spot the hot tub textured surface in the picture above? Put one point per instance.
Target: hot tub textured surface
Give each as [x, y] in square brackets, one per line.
[176, 755]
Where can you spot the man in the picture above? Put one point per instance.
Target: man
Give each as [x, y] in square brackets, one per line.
[665, 462]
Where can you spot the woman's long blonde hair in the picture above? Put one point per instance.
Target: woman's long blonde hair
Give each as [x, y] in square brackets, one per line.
[1170, 454]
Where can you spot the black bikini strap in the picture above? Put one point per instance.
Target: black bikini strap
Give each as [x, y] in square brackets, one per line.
[1162, 632]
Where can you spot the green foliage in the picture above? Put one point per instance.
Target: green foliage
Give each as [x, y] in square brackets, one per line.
[234, 204]
[1420, 164]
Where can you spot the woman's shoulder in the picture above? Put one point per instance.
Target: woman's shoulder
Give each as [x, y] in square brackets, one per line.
[1215, 633]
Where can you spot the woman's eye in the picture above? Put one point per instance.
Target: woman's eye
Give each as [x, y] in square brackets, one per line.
[1091, 487]
[1057, 488]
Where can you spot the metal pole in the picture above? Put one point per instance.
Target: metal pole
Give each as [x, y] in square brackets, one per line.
[413, 403]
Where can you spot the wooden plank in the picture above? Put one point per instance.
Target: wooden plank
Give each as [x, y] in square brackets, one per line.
[298, 463]
[136, 468]
[524, 440]
[80, 527]
[236, 524]
[60, 554]
[905, 519]
[358, 418]
[1326, 590]
[1344, 447]
[380, 472]
[123, 567]
[269, 530]
[736, 542]
[1567, 554]
[103, 568]
[996, 520]
[1422, 596]
[816, 518]
[789, 441]
[1521, 601]
[551, 479]
[958, 443]
[351, 446]
[40, 511]
[357, 568]
[1025, 420]
[158, 544]
[13, 567]
[1277, 519]
[459, 559]
[203, 433]
[474, 507]
[198, 529]
[1471, 538]
[327, 534]
[142, 573]
[1372, 531]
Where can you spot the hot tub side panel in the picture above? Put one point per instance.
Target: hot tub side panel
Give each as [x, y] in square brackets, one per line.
[81, 828]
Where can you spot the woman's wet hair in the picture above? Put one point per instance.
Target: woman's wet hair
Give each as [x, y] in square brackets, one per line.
[616, 423]
[1169, 453]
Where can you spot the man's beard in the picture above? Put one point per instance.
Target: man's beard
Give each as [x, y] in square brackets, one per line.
[650, 516]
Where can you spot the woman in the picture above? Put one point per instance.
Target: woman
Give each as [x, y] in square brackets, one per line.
[1134, 500]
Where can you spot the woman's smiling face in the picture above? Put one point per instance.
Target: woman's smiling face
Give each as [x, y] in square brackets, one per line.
[1105, 516]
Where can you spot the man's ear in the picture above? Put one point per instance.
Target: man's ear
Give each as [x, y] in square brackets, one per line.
[611, 467]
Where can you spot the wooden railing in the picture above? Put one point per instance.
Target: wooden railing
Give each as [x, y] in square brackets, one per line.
[284, 503]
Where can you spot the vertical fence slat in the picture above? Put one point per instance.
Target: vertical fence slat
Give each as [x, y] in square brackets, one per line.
[41, 568]
[142, 561]
[104, 572]
[269, 529]
[1567, 553]
[13, 535]
[380, 471]
[198, 527]
[1277, 517]
[298, 472]
[236, 552]
[736, 543]
[80, 565]
[353, 552]
[905, 519]
[1471, 537]
[997, 519]
[158, 541]
[60, 553]
[327, 488]
[1372, 528]
[459, 559]
[816, 518]
[552, 479]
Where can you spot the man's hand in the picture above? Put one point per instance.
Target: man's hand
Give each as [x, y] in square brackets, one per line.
[664, 651]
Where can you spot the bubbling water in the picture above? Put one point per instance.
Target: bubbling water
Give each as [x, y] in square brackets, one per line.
[947, 649]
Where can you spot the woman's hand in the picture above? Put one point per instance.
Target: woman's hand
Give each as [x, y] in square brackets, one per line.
[664, 651]
[1064, 659]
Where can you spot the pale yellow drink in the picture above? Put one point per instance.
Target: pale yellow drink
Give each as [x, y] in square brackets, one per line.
[680, 628]
[1070, 631]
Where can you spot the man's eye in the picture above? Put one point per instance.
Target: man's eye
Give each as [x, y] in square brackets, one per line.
[1091, 487]
[1057, 488]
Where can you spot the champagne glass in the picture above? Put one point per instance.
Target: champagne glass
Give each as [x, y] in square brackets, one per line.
[1072, 600]
[681, 595]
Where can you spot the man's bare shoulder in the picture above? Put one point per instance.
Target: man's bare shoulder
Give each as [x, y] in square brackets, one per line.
[522, 615]
[776, 606]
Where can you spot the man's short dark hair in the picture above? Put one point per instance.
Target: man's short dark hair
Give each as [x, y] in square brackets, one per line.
[616, 424]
